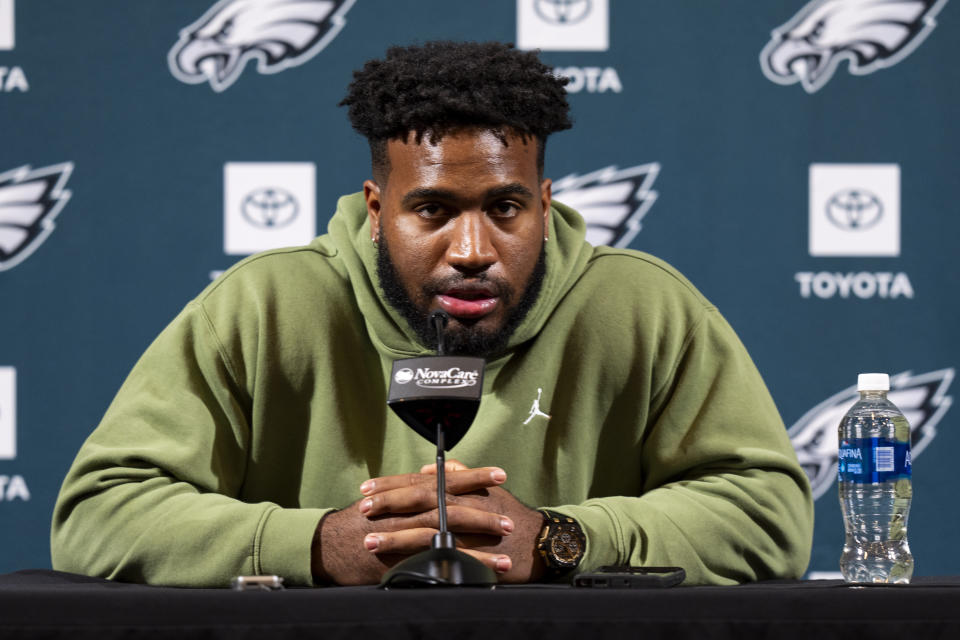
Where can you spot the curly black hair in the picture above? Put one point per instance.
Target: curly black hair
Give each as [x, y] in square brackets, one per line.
[443, 86]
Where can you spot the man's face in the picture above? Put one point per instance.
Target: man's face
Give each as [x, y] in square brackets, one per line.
[461, 226]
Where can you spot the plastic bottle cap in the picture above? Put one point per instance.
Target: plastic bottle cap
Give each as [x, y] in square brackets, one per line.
[873, 382]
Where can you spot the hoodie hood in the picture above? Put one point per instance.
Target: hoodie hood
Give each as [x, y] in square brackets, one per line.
[349, 229]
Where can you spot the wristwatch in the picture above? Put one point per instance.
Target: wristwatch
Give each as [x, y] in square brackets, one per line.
[561, 543]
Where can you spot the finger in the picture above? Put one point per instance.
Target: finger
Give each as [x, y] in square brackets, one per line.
[412, 499]
[496, 561]
[386, 483]
[405, 541]
[449, 465]
[411, 541]
[461, 519]
[474, 479]
[459, 481]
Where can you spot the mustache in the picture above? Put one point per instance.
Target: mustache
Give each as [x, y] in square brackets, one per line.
[482, 281]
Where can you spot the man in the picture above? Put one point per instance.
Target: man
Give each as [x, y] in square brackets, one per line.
[253, 436]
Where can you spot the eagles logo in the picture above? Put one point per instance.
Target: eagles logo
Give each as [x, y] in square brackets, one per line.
[612, 201]
[30, 200]
[870, 34]
[922, 399]
[279, 34]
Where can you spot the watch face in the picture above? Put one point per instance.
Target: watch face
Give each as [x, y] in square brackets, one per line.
[565, 547]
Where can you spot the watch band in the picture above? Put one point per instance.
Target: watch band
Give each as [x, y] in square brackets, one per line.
[561, 543]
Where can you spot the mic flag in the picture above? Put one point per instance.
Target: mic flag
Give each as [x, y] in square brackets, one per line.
[432, 389]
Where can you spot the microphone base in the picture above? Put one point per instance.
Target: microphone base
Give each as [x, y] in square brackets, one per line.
[439, 568]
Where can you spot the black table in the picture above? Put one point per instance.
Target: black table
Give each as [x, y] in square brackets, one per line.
[48, 604]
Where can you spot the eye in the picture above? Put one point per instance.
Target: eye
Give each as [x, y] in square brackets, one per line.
[429, 211]
[816, 32]
[224, 31]
[505, 209]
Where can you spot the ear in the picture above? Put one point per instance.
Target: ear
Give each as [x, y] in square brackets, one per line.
[371, 193]
[546, 197]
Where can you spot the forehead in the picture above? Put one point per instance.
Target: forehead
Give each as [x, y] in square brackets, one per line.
[467, 159]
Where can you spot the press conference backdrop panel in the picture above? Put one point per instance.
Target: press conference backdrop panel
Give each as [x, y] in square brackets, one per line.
[797, 161]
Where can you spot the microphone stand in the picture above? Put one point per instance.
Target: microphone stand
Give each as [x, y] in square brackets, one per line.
[443, 564]
[443, 539]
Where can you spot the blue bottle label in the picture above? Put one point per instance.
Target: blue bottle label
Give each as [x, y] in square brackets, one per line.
[873, 460]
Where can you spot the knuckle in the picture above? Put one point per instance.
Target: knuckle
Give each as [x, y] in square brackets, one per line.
[454, 484]
[424, 495]
[428, 519]
[456, 512]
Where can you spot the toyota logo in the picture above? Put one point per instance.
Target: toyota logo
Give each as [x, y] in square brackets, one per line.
[854, 209]
[562, 11]
[270, 207]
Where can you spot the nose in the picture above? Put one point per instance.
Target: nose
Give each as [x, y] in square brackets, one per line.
[471, 245]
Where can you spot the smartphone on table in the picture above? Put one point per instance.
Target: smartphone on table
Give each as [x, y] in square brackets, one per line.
[623, 577]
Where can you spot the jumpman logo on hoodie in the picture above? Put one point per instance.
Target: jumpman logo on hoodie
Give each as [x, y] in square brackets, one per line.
[535, 409]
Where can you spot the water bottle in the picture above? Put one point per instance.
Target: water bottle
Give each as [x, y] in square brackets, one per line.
[875, 487]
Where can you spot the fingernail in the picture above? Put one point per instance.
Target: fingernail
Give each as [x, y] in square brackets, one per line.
[371, 542]
[498, 475]
[366, 505]
[367, 487]
[506, 524]
[503, 564]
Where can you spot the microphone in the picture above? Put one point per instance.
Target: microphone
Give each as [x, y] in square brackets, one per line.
[438, 397]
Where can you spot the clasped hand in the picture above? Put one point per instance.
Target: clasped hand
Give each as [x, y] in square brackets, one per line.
[397, 517]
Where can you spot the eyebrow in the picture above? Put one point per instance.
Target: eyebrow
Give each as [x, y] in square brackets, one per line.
[512, 189]
[429, 193]
[426, 193]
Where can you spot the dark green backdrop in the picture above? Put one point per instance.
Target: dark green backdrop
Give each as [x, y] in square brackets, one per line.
[728, 154]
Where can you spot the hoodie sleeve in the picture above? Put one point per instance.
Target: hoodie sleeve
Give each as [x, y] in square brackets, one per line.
[723, 495]
[153, 494]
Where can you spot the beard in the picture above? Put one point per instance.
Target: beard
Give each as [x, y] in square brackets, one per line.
[466, 338]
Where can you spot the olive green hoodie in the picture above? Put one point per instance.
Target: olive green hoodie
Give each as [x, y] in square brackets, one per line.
[624, 400]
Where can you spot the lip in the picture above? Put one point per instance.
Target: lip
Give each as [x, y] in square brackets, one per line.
[468, 303]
